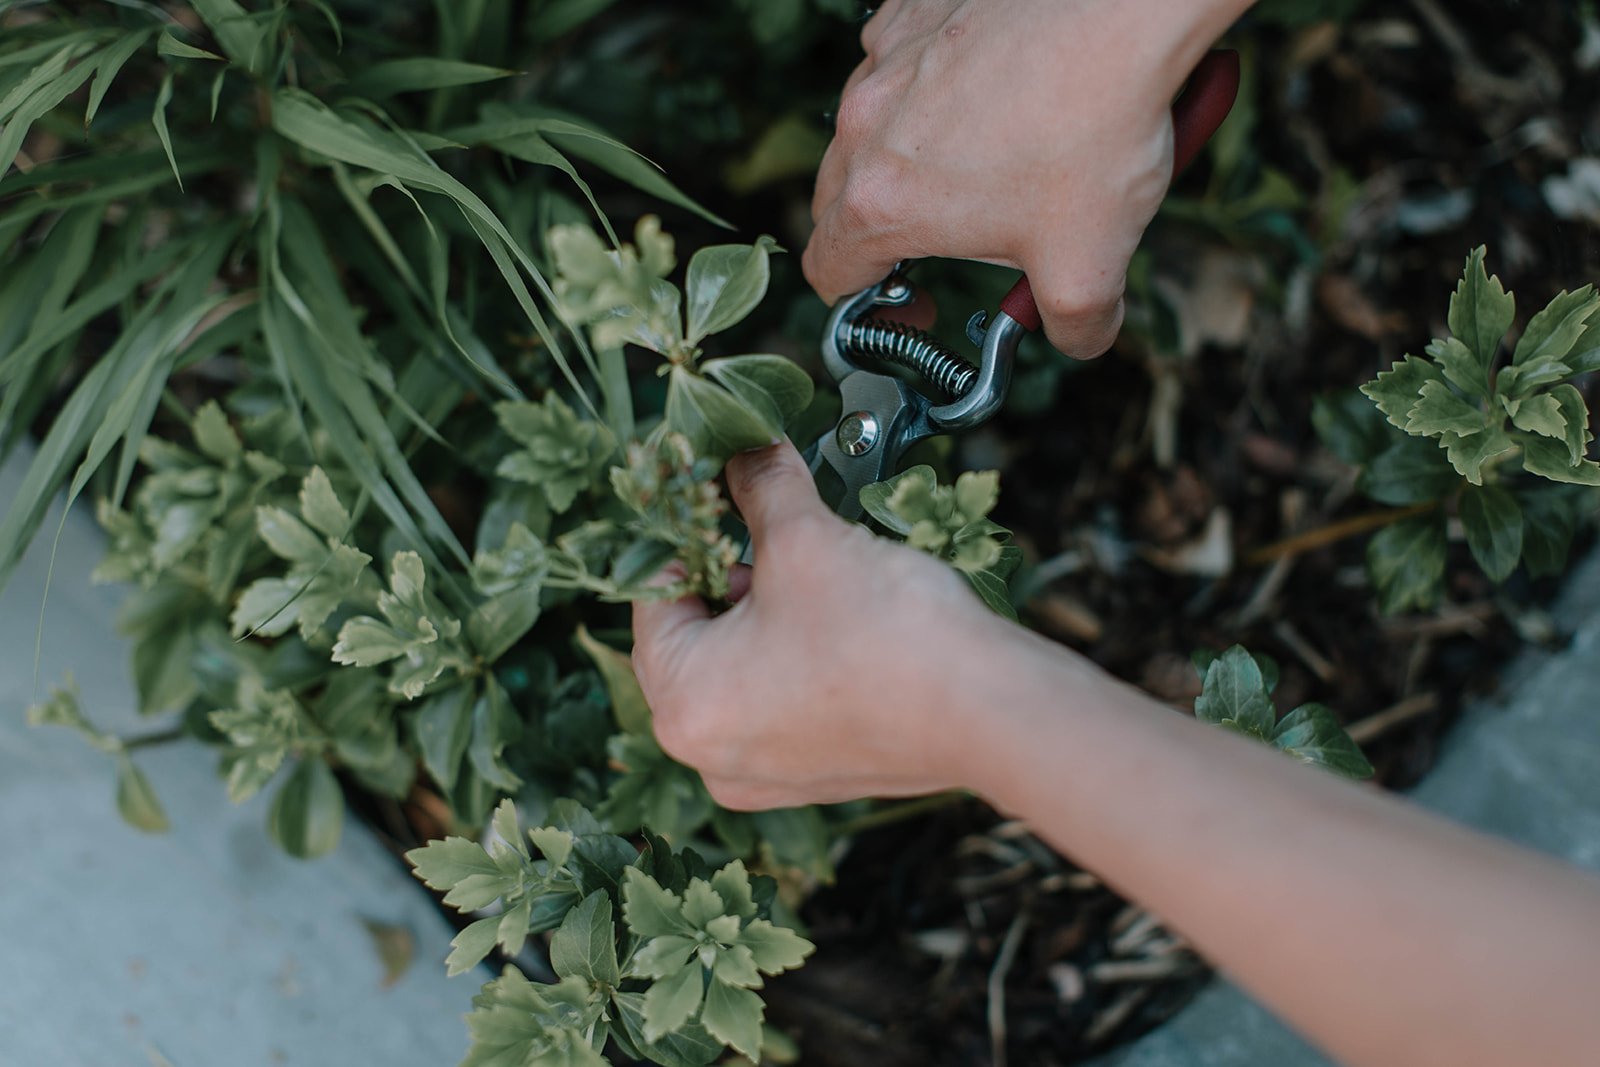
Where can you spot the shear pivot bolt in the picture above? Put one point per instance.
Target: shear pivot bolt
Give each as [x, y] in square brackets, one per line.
[858, 433]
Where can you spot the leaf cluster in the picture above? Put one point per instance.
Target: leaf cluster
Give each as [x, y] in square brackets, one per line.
[1502, 443]
[652, 950]
[1236, 694]
[950, 523]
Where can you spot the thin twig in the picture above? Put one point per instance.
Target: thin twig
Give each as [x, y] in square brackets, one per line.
[1296, 643]
[997, 986]
[1376, 725]
[1334, 532]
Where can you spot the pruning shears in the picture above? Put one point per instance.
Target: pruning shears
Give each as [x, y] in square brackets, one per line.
[900, 385]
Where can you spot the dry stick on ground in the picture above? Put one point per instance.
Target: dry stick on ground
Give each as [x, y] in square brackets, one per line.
[1334, 532]
[1375, 726]
[997, 985]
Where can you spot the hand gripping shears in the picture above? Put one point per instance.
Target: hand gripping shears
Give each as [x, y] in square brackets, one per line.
[900, 385]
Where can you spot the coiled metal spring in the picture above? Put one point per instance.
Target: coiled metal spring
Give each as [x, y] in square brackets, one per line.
[911, 348]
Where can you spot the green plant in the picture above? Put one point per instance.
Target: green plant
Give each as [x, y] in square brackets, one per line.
[381, 419]
[1501, 444]
[1236, 694]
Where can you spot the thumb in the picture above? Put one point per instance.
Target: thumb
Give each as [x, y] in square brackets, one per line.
[772, 486]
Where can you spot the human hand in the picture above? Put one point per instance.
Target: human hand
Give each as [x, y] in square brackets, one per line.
[830, 678]
[1032, 133]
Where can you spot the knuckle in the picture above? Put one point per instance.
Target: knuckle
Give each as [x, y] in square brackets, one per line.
[866, 204]
[862, 107]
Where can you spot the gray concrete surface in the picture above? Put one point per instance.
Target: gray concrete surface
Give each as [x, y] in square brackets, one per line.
[1524, 766]
[203, 947]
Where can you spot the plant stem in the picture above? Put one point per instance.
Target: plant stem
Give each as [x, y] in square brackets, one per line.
[1334, 532]
[161, 737]
[893, 813]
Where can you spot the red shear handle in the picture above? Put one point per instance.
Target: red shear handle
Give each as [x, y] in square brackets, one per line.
[1205, 102]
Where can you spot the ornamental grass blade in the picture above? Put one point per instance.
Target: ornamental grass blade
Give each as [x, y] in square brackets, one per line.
[385, 79]
[106, 71]
[19, 120]
[158, 119]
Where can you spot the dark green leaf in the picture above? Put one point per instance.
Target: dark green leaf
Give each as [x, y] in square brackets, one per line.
[1550, 517]
[308, 811]
[1312, 734]
[1234, 693]
[627, 699]
[1439, 410]
[168, 45]
[443, 726]
[585, 945]
[1575, 417]
[772, 385]
[1411, 471]
[159, 119]
[716, 423]
[1350, 426]
[409, 75]
[1406, 562]
[690, 1046]
[1493, 523]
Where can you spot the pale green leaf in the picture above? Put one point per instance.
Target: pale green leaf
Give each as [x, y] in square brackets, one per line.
[472, 945]
[723, 285]
[1480, 309]
[1460, 366]
[732, 884]
[553, 844]
[320, 505]
[734, 1015]
[137, 803]
[717, 423]
[775, 948]
[1575, 416]
[288, 537]
[648, 908]
[1552, 459]
[1439, 410]
[1396, 390]
[701, 903]
[773, 385]
[1554, 331]
[672, 1001]
[1467, 455]
[663, 956]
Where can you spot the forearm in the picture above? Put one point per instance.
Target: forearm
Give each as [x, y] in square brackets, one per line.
[1386, 935]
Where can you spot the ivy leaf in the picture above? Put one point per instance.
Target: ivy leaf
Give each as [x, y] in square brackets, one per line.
[585, 944]
[672, 1000]
[724, 284]
[1553, 460]
[1480, 309]
[1406, 562]
[308, 811]
[1493, 523]
[1467, 455]
[772, 385]
[1439, 410]
[320, 505]
[1312, 734]
[1395, 390]
[1460, 366]
[1411, 471]
[717, 424]
[472, 945]
[1235, 694]
[1552, 333]
[137, 803]
[1542, 415]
